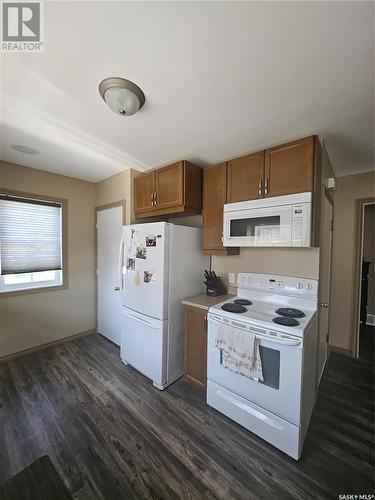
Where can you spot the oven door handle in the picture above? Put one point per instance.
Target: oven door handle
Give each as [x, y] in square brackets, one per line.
[273, 340]
[279, 341]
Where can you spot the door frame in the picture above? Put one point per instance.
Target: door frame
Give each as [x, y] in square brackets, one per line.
[328, 196]
[120, 203]
[358, 254]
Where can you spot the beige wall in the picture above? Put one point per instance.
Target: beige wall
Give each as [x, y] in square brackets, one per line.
[288, 261]
[349, 189]
[368, 253]
[116, 188]
[31, 320]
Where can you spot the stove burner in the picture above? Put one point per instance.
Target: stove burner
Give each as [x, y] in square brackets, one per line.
[233, 308]
[243, 302]
[289, 312]
[281, 320]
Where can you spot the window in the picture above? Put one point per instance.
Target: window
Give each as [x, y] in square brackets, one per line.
[30, 243]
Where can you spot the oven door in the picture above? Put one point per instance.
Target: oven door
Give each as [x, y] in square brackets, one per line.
[281, 363]
[269, 226]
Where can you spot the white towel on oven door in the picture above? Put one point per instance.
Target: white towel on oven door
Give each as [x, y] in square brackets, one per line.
[239, 351]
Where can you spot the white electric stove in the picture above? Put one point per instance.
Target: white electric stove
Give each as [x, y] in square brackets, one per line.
[281, 312]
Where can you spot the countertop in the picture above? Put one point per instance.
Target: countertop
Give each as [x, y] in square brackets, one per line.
[204, 301]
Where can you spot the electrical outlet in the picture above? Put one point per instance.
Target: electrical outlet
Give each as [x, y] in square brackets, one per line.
[232, 278]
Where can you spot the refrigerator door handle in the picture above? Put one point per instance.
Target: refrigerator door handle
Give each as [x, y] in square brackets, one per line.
[121, 261]
[144, 322]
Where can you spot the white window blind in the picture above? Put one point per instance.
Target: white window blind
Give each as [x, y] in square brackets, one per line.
[30, 235]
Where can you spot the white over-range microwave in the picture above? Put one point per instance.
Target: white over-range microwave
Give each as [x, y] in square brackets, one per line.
[283, 221]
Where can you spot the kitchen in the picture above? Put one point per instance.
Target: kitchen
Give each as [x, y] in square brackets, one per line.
[262, 212]
[183, 335]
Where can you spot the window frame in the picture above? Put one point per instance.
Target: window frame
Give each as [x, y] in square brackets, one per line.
[64, 244]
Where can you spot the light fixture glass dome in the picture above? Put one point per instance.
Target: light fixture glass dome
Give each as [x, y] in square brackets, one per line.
[122, 96]
[122, 101]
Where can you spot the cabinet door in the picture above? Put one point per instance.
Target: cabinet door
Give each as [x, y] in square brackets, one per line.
[245, 176]
[289, 168]
[144, 189]
[169, 186]
[196, 345]
[214, 198]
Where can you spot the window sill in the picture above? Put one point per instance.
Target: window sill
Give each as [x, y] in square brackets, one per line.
[29, 291]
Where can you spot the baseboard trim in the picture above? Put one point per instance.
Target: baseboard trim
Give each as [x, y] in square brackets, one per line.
[340, 350]
[47, 344]
[370, 319]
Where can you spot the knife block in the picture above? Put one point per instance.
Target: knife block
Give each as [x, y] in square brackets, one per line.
[215, 292]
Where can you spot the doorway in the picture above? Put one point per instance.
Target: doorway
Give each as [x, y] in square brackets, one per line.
[109, 225]
[364, 300]
[325, 257]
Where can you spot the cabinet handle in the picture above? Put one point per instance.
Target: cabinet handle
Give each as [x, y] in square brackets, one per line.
[152, 199]
[205, 323]
[156, 198]
[266, 186]
[260, 186]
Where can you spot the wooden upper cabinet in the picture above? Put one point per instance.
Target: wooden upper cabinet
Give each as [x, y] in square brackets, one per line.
[245, 177]
[172, 190]
[289, 168]
[144, 189]
[169, 185]
[214, 198]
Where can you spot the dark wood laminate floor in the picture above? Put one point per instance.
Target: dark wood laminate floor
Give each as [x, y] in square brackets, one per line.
[112, 435]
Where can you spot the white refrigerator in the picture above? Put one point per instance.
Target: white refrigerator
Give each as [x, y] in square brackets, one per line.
[160, 264]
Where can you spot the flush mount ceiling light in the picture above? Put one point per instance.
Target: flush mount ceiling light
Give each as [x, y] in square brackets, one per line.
[25, 149]
[122, 96]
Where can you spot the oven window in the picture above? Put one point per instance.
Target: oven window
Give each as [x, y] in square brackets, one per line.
[270, 366]
[254, 226]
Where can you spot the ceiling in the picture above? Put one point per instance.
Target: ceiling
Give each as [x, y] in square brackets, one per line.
[221, 79]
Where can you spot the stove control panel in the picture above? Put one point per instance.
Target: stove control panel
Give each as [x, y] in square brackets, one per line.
[281, 284]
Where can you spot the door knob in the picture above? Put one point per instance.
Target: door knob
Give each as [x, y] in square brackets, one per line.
[324, 305]
[117, 288]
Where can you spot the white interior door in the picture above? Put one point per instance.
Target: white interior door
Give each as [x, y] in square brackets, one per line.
[325, 282]
[109, 232]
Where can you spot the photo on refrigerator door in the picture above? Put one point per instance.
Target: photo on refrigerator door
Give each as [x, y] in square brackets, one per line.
[141, 252]
[130, 264]
[148, 276]
[151, 241]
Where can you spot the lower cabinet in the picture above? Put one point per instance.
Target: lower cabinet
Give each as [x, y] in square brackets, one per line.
[196, 345]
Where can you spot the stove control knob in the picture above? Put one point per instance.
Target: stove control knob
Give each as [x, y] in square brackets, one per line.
[308, 286]
[299, 285]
